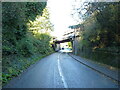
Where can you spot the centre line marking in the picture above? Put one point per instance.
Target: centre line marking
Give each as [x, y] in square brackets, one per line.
[61, 74]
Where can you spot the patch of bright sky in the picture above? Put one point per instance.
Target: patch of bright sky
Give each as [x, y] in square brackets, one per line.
[60, 15]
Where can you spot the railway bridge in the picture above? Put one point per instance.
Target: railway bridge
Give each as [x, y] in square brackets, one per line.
[72, 35]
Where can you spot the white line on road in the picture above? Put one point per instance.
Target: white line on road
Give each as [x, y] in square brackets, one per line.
[61, 74]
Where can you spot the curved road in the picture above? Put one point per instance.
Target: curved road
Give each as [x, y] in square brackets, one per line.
[59, 70]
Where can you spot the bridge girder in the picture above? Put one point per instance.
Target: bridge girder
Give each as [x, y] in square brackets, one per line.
[62, 41]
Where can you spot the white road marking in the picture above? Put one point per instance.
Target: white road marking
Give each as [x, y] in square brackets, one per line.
[61, 74]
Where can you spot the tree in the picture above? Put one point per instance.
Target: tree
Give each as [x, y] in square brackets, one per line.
[101, 23]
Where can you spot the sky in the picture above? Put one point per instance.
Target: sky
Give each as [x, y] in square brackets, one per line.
[60, 15]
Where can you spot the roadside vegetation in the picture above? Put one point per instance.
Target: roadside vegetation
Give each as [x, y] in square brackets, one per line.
[100, 35]
[25, 36]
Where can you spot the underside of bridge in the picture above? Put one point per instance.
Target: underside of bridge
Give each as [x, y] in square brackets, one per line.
[58, 42]
[63, 41]
[74, 43]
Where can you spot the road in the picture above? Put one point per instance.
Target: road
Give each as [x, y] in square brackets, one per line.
[59, 70]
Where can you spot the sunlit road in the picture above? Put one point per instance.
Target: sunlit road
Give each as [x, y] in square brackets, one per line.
[60, 70]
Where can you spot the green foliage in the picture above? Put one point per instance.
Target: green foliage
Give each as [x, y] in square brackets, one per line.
[99, 32]
[33, 9]
[21, 45]
[70, 45]
[41, 24]
[5, 77]
[14, 25]
[45, 45]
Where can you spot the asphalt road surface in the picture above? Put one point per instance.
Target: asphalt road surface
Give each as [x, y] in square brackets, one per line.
[59, 70]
